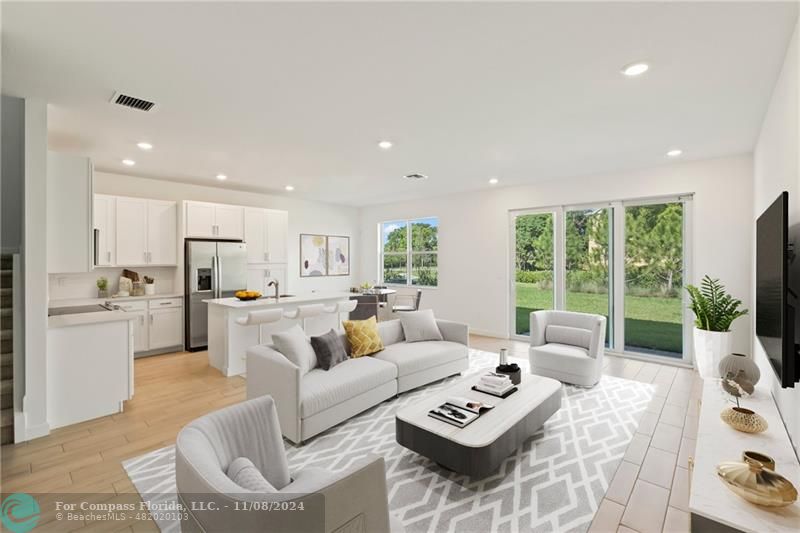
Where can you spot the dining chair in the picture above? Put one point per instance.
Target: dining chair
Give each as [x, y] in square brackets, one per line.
[413, 300]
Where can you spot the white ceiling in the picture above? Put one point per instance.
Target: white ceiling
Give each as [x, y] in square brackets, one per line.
[276, 94]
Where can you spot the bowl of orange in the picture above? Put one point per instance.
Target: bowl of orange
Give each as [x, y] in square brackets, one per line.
[246, 296]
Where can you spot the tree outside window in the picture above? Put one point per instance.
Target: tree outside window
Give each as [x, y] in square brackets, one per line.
[409, 255]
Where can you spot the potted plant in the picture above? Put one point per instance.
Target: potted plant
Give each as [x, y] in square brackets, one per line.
[714, 310]
[102, 287]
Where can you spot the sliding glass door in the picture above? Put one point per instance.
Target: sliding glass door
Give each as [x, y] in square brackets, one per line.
[625, 260]
[533, 260]
[654, 261]
[588, 258]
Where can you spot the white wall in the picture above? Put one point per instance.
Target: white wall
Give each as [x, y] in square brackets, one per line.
[35, 259]
[304, 217]
[474, 233]
[776, 169]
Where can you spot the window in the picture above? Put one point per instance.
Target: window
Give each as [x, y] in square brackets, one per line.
[410, 252]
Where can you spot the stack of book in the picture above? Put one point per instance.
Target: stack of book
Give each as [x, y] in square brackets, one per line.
[495, 384]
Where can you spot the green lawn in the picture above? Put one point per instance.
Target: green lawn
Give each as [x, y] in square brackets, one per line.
[651, 323]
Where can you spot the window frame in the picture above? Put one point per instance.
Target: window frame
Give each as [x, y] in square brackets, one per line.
[409, 253]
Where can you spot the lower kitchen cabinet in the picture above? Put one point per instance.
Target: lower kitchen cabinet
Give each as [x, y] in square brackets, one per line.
[158, 326]
[165, 327]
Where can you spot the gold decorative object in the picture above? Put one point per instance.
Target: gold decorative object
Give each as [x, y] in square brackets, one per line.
[749, 457]
[742, 419]
[756, 484]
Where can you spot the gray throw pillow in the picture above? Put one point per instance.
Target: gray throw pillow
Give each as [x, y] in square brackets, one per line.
[420, 326]
[244, 473]
[294, 344]
[329, 349]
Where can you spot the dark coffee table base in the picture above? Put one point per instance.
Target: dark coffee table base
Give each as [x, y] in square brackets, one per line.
[476, 462]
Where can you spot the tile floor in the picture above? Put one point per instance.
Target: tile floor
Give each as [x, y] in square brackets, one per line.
[650, 490]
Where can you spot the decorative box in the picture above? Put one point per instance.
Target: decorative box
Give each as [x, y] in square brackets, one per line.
[513, 371]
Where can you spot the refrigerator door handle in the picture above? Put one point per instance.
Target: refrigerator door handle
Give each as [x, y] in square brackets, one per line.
[214, 282]
[219, 278]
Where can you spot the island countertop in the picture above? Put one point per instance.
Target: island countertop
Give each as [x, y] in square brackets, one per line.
[270, 301]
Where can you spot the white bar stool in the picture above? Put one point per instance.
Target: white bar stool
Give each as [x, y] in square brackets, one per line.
[303, 312]
[339, 308]
[257, 318]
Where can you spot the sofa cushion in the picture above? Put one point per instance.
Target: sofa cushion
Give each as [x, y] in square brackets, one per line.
[363, 337]
[568, 335]
[296, 347]
[419, 356]
[329, 349]
[320, 389]
[420, 326]
[244, 473]
[391, 332]
[564, 358]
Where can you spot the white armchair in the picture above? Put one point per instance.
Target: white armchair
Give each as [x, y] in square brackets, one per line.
[568, 346]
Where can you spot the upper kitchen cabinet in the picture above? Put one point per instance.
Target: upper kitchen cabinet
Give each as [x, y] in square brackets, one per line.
[214, 221]
[162, 232]
[70, 232]
[105, 238]
[146, 232]
[266, 232]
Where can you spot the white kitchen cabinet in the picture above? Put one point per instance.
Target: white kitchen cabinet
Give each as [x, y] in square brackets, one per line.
[140, 333]
[166, 327]
[266, 235]
[131, 231]
[70, 234]
[277, 236]
[214, 221]
[162, 232]
[105, 237]
[146, 232]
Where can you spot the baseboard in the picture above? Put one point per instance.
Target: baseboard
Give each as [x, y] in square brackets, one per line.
[486, 333]
[33, 432]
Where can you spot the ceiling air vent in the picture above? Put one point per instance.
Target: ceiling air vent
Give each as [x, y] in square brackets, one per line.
[132, 102]
[415, 176]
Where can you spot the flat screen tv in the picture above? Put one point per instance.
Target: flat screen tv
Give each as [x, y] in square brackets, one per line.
[775, 299]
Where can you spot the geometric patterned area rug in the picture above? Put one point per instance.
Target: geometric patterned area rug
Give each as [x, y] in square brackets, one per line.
[554, 482]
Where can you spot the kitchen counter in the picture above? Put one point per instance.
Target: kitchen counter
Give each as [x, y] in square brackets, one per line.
[267, 301]
[228, 340]
[68, 302]
[80, 319]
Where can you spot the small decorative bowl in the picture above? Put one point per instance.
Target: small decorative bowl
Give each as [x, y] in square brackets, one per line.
[756, 484]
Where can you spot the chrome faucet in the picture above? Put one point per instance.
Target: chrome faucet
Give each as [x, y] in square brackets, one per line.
[277, 288]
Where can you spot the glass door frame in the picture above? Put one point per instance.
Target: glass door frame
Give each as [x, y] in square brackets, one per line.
[616, 271]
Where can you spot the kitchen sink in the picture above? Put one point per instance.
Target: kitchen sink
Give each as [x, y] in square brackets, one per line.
[77, 309]
[281, 296]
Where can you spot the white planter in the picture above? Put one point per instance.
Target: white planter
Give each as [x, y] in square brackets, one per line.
[709, 348]
[149, 289]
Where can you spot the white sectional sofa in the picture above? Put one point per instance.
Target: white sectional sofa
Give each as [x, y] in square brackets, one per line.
[311, 403]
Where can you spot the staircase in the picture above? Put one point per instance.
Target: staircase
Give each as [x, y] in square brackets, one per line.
[6, 350]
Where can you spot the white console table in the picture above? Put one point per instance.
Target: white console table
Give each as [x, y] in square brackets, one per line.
[713, 506]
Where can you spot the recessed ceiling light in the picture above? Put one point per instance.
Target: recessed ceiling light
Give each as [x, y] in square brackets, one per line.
[385, 145]
[222, 177]
[145, 146]
[635, 69]
[128, 162]
[494, 181]
[674, 153]
[289, 188]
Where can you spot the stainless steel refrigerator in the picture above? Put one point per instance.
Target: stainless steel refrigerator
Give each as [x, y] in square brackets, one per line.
[214, 269]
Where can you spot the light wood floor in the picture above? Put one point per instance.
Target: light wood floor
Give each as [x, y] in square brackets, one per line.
[649, 491]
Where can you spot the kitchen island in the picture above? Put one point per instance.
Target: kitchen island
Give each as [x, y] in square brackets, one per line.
[228, 341]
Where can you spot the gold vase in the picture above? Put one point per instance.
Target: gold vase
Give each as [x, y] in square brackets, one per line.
[743, 419]
[756, 484]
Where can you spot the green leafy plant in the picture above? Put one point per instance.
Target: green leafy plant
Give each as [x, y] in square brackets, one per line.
[714, 309]
[102, 283]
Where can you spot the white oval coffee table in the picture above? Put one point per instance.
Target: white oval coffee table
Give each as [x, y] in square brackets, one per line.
[479, 448]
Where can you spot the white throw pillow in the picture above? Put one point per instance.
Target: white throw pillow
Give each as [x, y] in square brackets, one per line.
[244, 473]
[420, 326]
[297, 348]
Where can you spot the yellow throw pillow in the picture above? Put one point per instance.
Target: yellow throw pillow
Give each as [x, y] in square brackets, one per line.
[363, 336]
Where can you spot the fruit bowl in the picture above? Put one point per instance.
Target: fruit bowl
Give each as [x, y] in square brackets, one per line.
[247, 296]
